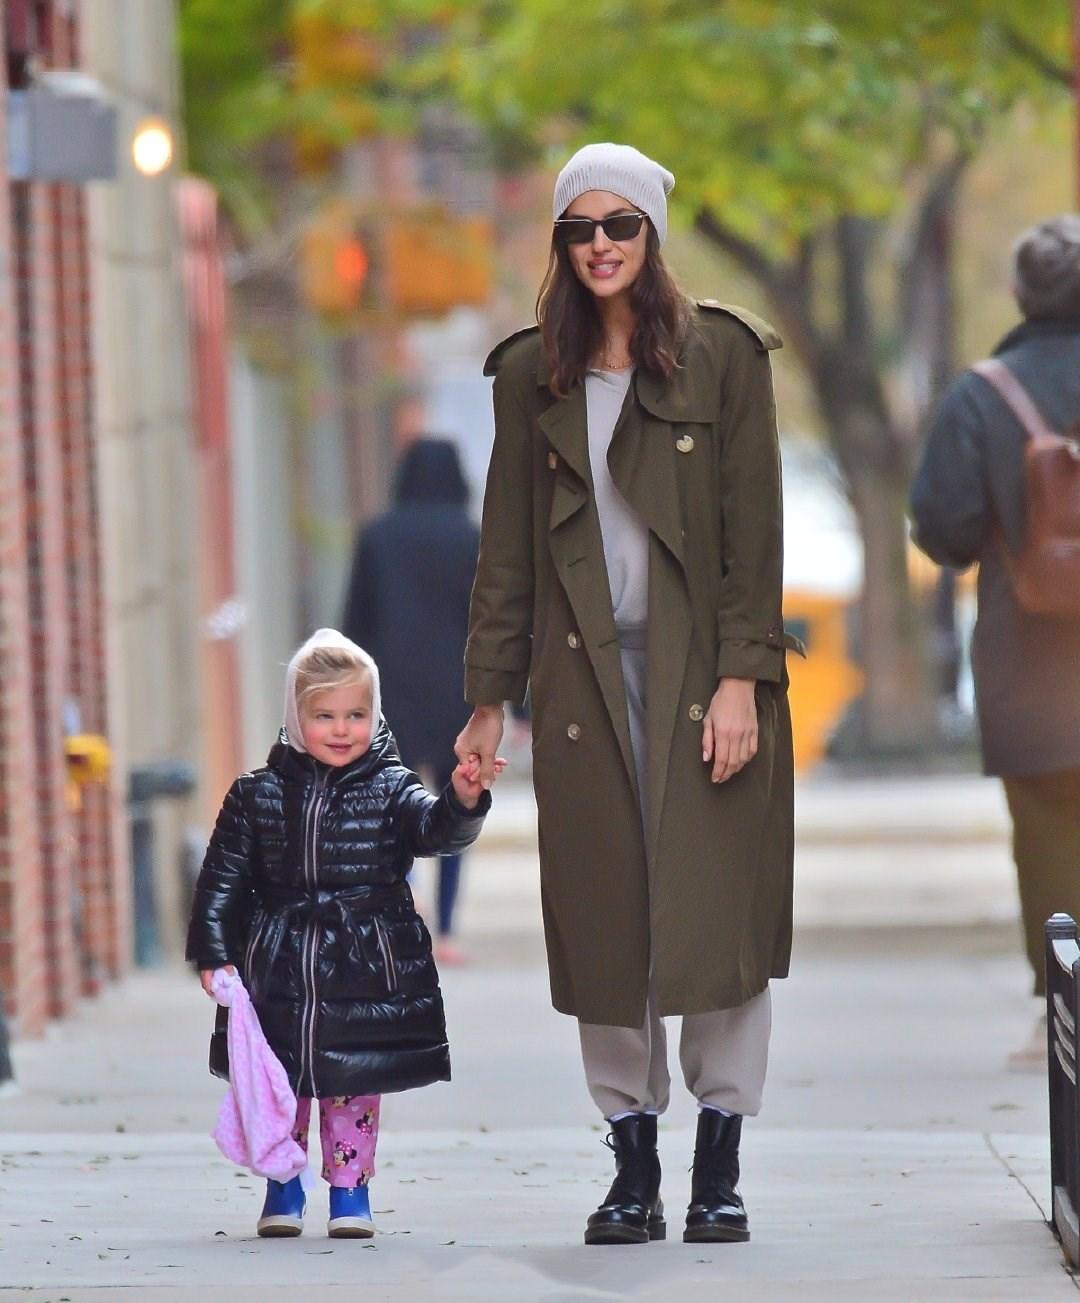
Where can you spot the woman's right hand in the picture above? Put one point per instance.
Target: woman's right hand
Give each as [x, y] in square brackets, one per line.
[205, 975]
[479, 740]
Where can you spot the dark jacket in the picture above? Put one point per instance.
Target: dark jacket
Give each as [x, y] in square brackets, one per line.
[703, 899]
[303, 888]
[968, 503]
[408, 601]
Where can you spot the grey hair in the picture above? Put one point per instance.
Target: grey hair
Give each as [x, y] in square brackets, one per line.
[1046, 268]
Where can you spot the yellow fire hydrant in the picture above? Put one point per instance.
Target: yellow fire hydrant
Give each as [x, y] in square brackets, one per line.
[88, 757]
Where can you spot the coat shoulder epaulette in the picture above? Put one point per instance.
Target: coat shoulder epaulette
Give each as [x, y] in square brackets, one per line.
[766, 336]
[495, 357]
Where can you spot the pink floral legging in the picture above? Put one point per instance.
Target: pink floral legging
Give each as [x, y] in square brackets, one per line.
[349, 1131]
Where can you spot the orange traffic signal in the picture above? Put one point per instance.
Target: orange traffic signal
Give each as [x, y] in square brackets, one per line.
[334, 261]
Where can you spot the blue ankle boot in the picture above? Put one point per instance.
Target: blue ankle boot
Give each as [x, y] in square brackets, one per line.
[350, 1214]
[283, 1209]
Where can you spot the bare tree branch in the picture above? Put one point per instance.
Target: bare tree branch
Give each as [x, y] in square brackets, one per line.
[937, 202]
[788, 285]
[1027, 50]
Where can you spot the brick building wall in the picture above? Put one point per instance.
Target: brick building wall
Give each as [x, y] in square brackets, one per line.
[22, 930]
[63, 900]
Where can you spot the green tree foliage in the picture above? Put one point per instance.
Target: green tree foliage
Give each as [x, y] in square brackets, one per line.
[801, 132]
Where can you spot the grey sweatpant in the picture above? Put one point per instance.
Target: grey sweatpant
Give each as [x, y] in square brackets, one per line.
[723, 1054]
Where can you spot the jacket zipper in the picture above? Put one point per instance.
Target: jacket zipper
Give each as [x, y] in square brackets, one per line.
[250, 952]
[387, 956]
[311, 877]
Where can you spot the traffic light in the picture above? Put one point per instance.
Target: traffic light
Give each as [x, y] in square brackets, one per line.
[334, 261]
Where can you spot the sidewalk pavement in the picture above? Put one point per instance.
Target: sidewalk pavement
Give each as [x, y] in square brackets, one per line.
[895, 1158]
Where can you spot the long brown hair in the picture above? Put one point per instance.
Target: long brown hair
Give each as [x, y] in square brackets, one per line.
[572, 330]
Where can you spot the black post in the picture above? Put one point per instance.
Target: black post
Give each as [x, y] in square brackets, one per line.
[7, 1072]
[1063, 1054]
[168, 779]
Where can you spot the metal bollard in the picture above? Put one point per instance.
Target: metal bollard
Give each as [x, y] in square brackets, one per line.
[1063, 1050]
[163, 779]
[7, 1072]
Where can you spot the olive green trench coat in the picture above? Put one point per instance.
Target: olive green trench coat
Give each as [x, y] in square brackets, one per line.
[702, 897]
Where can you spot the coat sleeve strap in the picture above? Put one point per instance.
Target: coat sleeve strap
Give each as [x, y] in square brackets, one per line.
[767, 338]
[495, 357]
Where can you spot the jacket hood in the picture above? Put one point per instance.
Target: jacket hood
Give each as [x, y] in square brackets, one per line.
[430, 472]
[327, 638]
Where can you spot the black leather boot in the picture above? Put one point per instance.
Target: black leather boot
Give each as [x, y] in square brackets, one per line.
[633, 1212]
[716, 1211]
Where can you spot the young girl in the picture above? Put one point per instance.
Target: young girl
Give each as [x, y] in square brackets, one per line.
[303, 890]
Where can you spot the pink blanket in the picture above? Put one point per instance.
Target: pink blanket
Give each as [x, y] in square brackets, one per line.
[255, 1124]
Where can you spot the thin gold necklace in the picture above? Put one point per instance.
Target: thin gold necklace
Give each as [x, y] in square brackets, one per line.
[606, 364]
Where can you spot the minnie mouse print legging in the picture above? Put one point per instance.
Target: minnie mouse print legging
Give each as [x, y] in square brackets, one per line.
[349, 1131]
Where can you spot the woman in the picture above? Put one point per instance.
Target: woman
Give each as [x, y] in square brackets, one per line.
[630, 577]
[408, 605]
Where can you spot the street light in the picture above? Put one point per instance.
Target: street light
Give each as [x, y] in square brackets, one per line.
[152, 146]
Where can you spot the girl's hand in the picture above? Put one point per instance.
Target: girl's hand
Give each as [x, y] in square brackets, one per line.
[205, 974]
[480, 738]
[730, 731]
[467, 782]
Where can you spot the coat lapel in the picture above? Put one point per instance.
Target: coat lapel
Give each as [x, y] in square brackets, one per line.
[641, 459]
[577, 550]
[642, 465]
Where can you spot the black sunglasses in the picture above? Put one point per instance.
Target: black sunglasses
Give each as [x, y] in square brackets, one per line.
[582, 230]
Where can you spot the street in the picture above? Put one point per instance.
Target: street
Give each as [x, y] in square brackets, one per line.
[895, 1156]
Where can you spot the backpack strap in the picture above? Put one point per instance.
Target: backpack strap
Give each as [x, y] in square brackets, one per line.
[1016, 398]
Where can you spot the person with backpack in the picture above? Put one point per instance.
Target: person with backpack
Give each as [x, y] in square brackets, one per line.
[999, 485]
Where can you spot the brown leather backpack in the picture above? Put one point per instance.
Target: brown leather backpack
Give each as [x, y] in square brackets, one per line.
[1046, 574]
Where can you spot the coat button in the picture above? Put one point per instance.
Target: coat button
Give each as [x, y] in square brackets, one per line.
[685, 444]
[697, 714]
[573, 732]
[574, 640]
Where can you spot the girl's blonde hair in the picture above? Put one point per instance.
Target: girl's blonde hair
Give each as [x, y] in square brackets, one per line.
[327, 660]
[324, 668]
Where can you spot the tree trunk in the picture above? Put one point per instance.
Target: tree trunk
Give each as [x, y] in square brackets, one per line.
[875, 451]
[897, 714]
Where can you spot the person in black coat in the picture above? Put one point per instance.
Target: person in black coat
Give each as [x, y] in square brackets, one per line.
[968, 505]
[303, 889]
[408, 604]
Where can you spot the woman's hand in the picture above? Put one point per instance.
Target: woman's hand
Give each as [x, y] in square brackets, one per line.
[205, 974]
[466, 780]
[479, 740]
[730, 731]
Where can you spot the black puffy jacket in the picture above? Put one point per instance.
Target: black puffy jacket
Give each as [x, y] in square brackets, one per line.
[303, 889]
